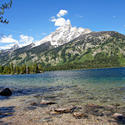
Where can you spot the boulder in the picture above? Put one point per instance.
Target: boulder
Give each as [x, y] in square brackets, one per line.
[6, 92]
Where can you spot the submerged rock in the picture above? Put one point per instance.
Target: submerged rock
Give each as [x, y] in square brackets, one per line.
[118, 116]
[42, 103]
[94, 106]
[65, 110]
[6, 92]
[47, 119]
[46, 102]
[93, 109]
[54, 113]
[34, 104]
[107, 113]
[79, 115]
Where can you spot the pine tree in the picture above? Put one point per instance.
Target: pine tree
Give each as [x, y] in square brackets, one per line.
[1, 69]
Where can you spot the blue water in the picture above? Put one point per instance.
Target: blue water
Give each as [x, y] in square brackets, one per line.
[109, 82]
[111, 76]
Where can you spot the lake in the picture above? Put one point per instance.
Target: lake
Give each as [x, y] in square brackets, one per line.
[99, 85]
[95, 94]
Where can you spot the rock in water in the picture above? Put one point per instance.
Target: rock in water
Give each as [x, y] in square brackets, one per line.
[45, 102]
[79, 115]
[119, 116]
[65, 110]
[6, 92]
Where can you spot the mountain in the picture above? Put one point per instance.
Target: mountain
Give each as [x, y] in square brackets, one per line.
[4, 54]
[90, 50]
[63, 35]
[24, 54]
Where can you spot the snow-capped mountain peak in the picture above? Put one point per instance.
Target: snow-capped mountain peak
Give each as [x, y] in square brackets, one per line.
[63, 34]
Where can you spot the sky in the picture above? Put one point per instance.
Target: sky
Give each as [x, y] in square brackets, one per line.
[31, 20]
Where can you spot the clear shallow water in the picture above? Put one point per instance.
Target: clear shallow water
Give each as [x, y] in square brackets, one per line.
[99, 85]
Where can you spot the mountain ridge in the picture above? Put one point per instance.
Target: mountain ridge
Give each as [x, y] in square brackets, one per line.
[92, 50]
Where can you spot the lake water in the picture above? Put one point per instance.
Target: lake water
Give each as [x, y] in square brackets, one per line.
[93, 85]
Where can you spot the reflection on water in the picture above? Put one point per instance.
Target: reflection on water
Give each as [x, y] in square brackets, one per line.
[99, 85]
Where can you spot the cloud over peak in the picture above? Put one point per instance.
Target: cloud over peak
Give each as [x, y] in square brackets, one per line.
[62, 13]
[59, 20]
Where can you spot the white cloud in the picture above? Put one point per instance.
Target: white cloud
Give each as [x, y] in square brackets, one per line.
[25, 40]
[53, 19]
[7, 46]
[62, 13]
[60, 21]
[6, 42]
[8, 39]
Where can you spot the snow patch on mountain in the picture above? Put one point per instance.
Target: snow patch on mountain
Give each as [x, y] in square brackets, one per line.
[63, 34]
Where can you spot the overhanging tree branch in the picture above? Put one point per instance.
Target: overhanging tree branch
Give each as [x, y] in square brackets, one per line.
[3, 6]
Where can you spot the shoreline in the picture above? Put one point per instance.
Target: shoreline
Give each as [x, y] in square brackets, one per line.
[65, 70]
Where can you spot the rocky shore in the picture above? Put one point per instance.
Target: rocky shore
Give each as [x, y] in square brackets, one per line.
[61, 106]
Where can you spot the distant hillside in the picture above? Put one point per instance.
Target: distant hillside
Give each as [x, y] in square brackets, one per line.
[92, 50]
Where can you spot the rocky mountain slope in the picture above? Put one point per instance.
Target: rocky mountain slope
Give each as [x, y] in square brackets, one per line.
[92, 50]
[96, 49]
